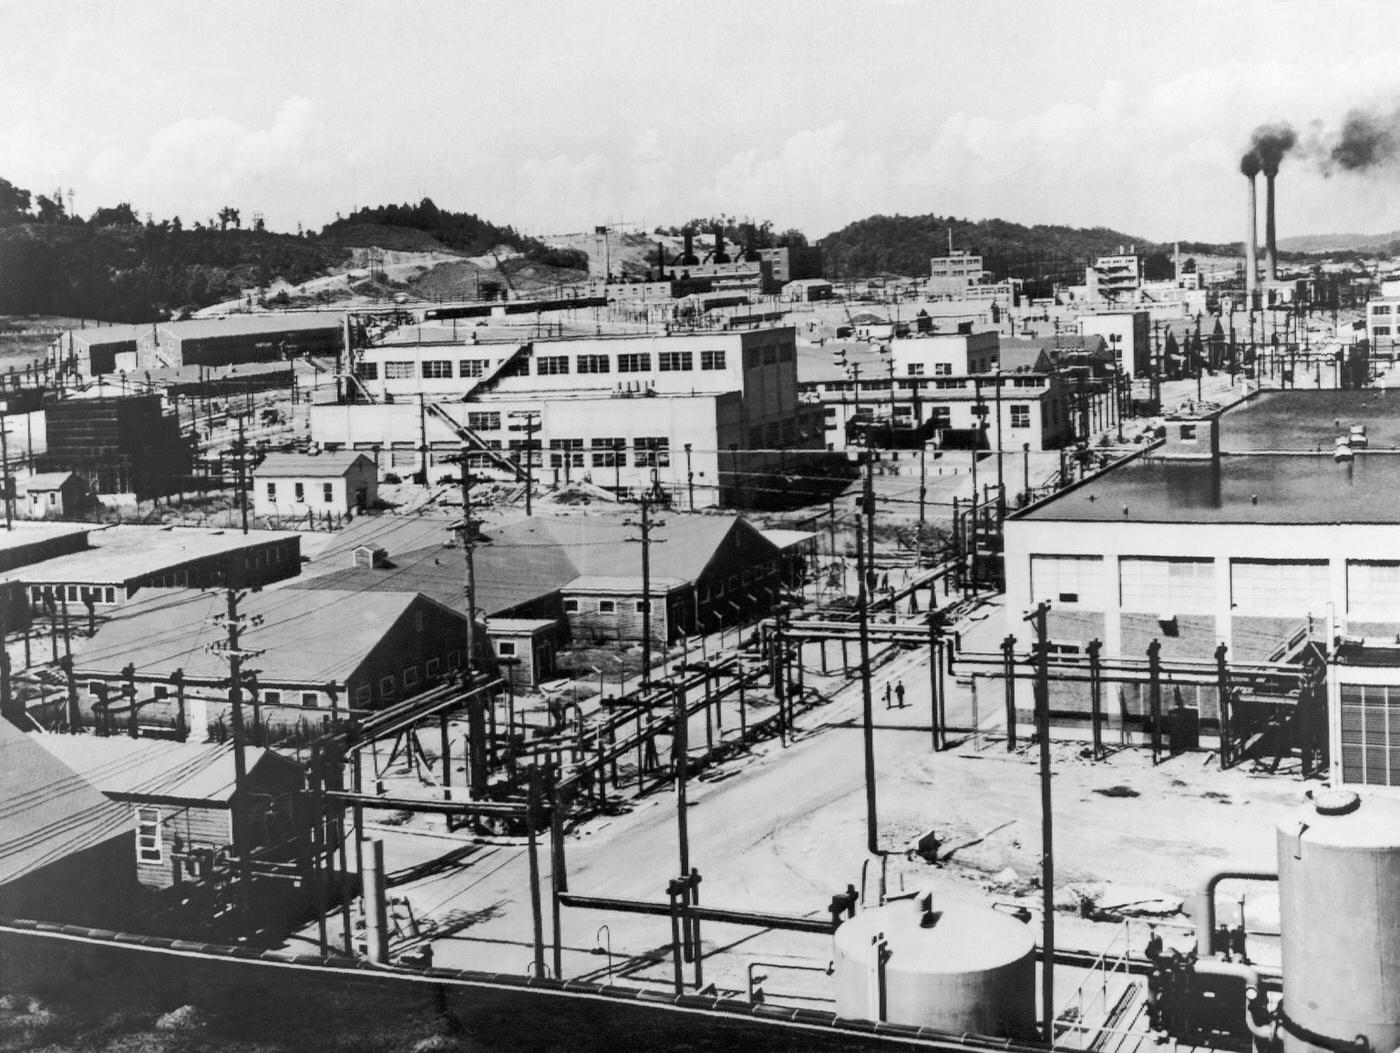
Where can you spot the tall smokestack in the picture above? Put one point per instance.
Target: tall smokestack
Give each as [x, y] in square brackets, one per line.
[720, 255]
[1249, 165]
[660, 261]
[688, 257]
[1270, 245]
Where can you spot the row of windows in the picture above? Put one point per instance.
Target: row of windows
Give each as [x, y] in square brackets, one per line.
[299, 492]
[767, 356]
[388, 685]
[1257, 587]
[603, 607]
[433, 369]
[74, 593]
[648, 451]
[1381, 330]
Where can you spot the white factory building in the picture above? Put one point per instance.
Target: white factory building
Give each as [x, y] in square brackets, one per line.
[619, 412]
[940, 389]
[1216, 537]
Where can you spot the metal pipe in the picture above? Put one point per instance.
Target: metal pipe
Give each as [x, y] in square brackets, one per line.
[1205, 914]
[759, 920]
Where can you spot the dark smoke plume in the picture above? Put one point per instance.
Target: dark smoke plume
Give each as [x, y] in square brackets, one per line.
[1250, 164]
[1367, 140]
[1270, 142]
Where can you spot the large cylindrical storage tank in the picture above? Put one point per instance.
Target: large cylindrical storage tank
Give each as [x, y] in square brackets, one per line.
[965, 968]
[1339, 905]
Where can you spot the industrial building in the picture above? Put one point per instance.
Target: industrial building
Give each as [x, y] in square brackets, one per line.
[119, 445]
[233, 340]
[695, 416]
[104, 568]
[954, 273]
[580, 574]
[1253, 529]
[319, 654]
[1128, 335]
[944, 390]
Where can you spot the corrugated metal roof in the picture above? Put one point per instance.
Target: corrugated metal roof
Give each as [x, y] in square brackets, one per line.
[47, 810]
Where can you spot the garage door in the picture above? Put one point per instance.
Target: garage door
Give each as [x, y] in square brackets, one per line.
[1068, 581]
[1278, 588]
[1373, 590]
[1180, 586]
[1370, 734]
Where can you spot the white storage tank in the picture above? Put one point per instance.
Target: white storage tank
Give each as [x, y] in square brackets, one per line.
[962, 969]
[1339, 901]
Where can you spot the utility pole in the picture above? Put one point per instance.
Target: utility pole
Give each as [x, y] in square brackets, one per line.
[469, 547]
[689, 477]
[1047, 852]
[531, 418]
[5, 461]
[234, 622]
[869, 498]
[923, 496]
[1001, 483]
[872, 827]
[242, 475]
[423, 439]
[646, 540]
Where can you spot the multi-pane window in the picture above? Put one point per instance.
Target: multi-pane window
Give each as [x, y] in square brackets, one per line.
[1154, 586]
[551, 365]
[711, 359]
[398, 370]
[1381, 330]
[607, 606]
[148, 846]
[1020, 415]
[272, 491]
[916, 369]
[1068, 580]
[652, 452]
[471, 367]
[1370, 734]
[1279, 588]
[943, 369]
[328, 493]
[566, 452]
[300, 489]
[367, 370]
[593, 364]
[437, 369]
[482, 421]
[1373, 590]
[605, 452]
[675, 361]
[639, 362]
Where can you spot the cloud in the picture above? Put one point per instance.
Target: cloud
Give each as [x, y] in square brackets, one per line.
[194, 166]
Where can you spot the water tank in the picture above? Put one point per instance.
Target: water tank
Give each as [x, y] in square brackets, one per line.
[963, 968]
[1339, 902]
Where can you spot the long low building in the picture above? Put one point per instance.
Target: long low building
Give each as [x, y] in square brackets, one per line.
[115, 564]
[239, 338]
[1241, 528]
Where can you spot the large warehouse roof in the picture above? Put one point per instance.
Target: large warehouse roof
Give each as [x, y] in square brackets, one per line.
[1276, 466]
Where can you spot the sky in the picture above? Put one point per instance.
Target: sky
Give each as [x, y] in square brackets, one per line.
[559, 116]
